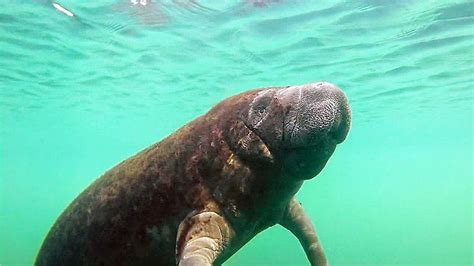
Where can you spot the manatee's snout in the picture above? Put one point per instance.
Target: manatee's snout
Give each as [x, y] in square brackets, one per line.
[302, 123]
[316, 112]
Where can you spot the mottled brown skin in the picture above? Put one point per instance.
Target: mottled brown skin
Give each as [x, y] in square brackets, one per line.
[219, 162]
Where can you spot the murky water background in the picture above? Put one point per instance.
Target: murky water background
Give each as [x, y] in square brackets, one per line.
[79, 94]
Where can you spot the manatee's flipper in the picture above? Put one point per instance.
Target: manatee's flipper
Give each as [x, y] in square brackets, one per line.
[202, 238]
[296, 220]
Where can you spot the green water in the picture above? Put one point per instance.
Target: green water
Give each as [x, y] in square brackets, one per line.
[79, 94]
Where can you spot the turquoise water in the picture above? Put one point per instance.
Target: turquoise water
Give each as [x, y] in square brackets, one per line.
[79, 94]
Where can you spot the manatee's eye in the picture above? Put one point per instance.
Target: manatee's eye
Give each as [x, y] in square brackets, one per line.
[259, 107]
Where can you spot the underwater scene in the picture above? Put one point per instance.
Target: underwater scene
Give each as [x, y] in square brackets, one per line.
[84, 85]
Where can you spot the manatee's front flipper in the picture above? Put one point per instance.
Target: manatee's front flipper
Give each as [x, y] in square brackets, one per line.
[202, 238]
[296, 220]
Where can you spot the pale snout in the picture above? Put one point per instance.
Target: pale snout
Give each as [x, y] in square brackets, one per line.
[317, 112]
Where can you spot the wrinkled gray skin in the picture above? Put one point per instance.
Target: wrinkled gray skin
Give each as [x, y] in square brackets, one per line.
[202, 193]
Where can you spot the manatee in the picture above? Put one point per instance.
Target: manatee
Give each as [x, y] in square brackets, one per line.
[200, 194]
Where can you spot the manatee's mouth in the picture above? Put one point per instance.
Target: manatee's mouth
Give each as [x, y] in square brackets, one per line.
[308, 161]
[301, 162]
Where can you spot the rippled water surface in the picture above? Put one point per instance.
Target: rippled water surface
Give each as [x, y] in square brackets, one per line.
[81, 91]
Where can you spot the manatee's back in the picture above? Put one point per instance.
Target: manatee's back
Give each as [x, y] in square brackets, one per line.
[129, 216]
